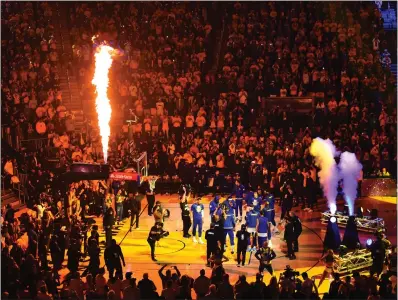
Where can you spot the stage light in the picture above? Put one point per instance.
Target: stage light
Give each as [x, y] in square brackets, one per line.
[351, 238]
[332, 237]
[369, 242]
[360, 212]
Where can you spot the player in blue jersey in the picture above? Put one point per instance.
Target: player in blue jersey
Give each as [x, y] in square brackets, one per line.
[269, 201]
[229, 223]
[214, 205]
[238, 191]
[197, 210]
[263, 229]
[251, 224]
[254, 200]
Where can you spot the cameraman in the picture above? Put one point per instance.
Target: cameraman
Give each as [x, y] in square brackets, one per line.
[155, 234]
[378, 250]
[288, 283]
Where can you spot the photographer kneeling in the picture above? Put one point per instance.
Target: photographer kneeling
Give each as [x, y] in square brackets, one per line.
[155, 234]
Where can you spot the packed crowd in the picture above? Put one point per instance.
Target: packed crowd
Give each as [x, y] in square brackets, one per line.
[32, 99]
[219, 121]
[201, 127]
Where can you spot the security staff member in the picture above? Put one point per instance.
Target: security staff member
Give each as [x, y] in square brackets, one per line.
[265, 255]
[108, 222]
[298, 228]
[212, 242]
[135, 208]
[243, 238]
[290, 237]
[155, 234]
[185, 213]
[113, 254]
[219, 229]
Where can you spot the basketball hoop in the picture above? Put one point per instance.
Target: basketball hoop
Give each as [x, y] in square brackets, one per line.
[152, 182]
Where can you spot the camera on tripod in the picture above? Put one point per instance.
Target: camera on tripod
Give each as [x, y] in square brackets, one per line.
[290, 273]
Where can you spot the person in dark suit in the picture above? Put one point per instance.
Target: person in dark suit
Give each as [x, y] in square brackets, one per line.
[108, 222]
[287, 199]
[113, 256]
[290, 238]
[212, 242]
[135, 209]
[298, 229]
[243, 242]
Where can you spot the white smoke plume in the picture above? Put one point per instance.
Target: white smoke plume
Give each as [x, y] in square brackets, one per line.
[324, 152]
[350, 169]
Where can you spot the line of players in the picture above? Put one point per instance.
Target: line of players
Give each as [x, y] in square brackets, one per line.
[256, 229]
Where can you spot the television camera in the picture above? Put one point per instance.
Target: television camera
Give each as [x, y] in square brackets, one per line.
[289, 273]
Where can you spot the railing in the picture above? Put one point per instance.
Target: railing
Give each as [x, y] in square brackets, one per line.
[63, 49]
[34, 144]
[17, 188]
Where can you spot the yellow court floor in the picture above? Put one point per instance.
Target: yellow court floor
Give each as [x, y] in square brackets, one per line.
[190, 257]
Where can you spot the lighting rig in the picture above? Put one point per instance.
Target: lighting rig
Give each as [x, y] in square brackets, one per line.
[370, 223]
[353, 261]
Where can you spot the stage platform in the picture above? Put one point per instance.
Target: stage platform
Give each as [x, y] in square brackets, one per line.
[190, 258]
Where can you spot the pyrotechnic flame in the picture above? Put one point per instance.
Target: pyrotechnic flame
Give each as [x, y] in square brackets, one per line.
[103, 62]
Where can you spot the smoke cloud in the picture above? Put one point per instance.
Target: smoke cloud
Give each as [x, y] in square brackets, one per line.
[350, 169]
[324, 152]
